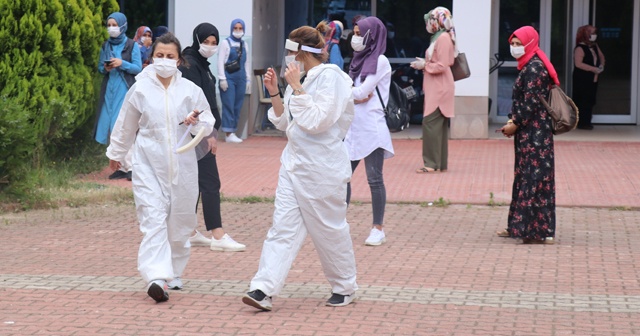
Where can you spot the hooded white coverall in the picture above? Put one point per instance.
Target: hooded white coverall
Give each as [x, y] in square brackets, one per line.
[312, 184]
[165, 184]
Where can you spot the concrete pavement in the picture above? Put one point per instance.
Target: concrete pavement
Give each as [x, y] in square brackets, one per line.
[442, 272]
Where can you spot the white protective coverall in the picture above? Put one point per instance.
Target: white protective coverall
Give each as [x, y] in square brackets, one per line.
[312, 184]
[165, 184]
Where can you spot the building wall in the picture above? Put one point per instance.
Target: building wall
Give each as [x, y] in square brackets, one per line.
[472, 20]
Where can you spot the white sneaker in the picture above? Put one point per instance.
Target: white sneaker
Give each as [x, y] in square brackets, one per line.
[376, 238]
[233, 138]
[199, 240]
[176, 283]
[226, 243]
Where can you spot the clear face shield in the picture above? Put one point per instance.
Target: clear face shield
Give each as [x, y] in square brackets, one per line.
[291, 50]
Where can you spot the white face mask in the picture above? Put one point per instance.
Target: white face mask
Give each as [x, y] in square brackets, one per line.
[357, 43]
[113, 31]
[517, 52]
[593, 37]
[238, 34]
[144, 39]
[165, 67]
[208, 50]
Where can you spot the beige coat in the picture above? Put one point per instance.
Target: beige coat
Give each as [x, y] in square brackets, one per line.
[438, 84]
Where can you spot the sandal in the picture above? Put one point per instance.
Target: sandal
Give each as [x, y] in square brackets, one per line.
[503, 233]
[423, 170]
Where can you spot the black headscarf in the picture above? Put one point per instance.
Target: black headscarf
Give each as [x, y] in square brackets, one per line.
[201, 32]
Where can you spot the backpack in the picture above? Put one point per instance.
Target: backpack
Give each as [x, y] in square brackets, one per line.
[563, 111]
[397, 110]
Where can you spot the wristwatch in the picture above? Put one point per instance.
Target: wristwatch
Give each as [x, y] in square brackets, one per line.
[299, 91]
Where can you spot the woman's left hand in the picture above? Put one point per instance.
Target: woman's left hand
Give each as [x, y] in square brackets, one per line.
[116, 62]
[509, 129]
[192, 118]
[212, 143]
[364, 100]
[292, 74]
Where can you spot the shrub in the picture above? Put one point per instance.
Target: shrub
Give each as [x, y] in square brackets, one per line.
[48, 67]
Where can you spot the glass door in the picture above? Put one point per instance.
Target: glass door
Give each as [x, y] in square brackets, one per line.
[615, 103]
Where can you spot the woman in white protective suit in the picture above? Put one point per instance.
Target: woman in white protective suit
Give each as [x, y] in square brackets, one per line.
[310, 197]
[162, 107]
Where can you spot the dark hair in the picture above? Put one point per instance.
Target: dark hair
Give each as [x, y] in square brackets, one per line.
[169, 38]
[311, 37]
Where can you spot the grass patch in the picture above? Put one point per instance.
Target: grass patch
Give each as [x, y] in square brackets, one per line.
[52, 183]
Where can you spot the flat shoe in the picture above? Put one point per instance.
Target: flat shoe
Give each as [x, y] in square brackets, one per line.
[503, 233]
[424, 170]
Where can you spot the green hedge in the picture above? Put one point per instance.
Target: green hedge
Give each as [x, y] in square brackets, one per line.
[48, 68]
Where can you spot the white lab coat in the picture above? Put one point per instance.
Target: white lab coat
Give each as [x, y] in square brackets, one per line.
[369, 130]
[165, 184]
[311, 192]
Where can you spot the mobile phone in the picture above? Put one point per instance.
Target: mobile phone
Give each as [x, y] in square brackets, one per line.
[498, 130]
[107, 62]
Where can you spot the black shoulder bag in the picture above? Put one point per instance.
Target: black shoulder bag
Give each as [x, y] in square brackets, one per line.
[234, 65]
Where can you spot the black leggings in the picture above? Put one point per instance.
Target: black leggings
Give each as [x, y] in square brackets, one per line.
[209, 184]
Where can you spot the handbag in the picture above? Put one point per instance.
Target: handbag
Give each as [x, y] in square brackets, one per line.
[460, 67]
[396, 113]
[234, 65]
[563, 111]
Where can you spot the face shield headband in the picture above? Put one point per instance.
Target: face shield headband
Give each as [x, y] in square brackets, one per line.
[295, 47]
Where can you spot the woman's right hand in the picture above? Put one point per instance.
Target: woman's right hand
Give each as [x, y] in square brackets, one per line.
[271, 80]
[114, 165]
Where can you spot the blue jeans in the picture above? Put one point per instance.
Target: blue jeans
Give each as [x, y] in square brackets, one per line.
[373, 164]
[232, 100]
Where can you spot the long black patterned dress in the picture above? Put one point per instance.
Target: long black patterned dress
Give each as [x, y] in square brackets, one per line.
[532, 214]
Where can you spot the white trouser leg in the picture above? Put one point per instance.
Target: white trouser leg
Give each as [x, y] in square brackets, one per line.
[284, 240]
[152, 207]
[181, 222]
[325, 219]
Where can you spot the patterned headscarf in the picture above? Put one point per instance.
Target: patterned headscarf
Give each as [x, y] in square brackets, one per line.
[439, 20]
[530, 39]
[365, 62]
[140, 32]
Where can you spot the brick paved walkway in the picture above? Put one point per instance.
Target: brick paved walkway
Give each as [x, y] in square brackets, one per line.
[442, 272]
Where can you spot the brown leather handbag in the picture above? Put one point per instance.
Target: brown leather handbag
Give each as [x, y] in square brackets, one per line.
[460, 67]
[563, 111]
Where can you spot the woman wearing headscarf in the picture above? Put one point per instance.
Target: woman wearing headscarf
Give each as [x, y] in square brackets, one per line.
[144, 38]
[235, 78]
[588, 62]
[369, 138]
[438, 90]
[332, 43]
[119, 61]
[532, 214]
[196, 69]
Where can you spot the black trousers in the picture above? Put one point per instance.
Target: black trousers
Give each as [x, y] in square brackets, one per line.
[209, 184]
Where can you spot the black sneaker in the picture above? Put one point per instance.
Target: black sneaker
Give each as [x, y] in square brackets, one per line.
[257, 299]
[129, 175]
[118, 174]
[339, 300]
[157, 292]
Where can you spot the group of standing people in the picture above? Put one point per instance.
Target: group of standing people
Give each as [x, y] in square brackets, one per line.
[333, 120]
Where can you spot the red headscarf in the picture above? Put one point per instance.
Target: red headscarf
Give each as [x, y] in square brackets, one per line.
[530, 40]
